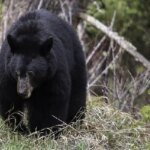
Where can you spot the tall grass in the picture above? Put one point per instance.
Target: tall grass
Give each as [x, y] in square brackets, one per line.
[104, 128]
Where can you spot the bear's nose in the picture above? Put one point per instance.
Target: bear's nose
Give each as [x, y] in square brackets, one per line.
[23, 95]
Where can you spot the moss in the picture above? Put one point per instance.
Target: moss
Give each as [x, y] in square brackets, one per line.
[145, 111]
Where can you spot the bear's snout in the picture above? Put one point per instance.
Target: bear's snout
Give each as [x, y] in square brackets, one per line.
[24, 88]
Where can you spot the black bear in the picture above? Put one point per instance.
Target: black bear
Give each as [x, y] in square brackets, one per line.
[42, 69]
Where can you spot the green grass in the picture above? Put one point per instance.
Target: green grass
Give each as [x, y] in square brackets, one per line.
[104, 128]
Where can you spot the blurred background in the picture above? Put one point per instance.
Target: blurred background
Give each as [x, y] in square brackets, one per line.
[115, 35]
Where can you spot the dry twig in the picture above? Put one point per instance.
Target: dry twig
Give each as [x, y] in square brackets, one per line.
[127, 46]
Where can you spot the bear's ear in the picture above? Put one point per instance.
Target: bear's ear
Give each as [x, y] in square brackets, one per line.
[46, 46]
[12, 42]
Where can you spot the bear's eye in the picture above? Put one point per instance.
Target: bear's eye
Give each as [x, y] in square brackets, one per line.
[30, 73]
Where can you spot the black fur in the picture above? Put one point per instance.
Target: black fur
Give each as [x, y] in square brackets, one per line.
[45, 46]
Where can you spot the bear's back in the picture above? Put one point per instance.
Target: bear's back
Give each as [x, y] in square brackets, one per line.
[49, 23]
[43, 23]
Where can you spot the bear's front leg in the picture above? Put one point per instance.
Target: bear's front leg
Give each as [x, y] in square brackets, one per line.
[11, 107]
[50, 107]
[12, 113]
[48, 113]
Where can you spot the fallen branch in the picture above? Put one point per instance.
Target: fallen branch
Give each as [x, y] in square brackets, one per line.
[127, 46]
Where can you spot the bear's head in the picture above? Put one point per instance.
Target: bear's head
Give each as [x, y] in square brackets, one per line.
[29, 62]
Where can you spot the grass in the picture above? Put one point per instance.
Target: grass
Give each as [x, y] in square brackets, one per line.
[104, 128]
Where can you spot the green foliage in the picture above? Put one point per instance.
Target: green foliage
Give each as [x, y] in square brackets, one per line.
[148, 91]
[132, 19]
[145, 111]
